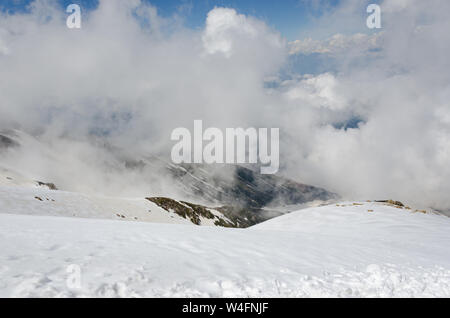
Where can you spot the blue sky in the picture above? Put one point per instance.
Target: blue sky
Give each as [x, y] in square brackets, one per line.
[287, 16]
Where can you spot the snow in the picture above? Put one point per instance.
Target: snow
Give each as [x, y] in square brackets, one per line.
[329, 251]
[22, 195]
[27, 200]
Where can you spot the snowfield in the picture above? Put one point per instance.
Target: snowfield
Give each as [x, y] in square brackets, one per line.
[24, 197]
[330, 251]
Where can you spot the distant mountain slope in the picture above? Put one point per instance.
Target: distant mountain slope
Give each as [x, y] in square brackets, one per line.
[238, 193]
[240, 186]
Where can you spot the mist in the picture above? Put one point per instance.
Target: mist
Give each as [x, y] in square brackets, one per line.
[115, 89]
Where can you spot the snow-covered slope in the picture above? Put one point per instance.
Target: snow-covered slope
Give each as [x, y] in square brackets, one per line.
[343, 251]
[22, 195]
[40, 201]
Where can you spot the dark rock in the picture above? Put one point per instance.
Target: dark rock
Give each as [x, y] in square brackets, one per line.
[233, 216]
[49, 185]
[7, 142]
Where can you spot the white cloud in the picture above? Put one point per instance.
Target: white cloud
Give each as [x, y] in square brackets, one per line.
[337, 44]
[130, 75]
[247, 39]
[139, 81]
[318, 91]
[3, 49]
[396, 6]
[402, 148]
[221, 26]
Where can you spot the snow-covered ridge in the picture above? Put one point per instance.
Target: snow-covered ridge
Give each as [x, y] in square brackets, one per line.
[21, 195]
[362, 250]
[41, 201]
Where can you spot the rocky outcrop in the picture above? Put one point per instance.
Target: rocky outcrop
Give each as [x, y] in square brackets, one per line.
[225, 216]
[7, 142]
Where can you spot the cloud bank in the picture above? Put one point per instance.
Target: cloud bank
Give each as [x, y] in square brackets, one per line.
[130, 77]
